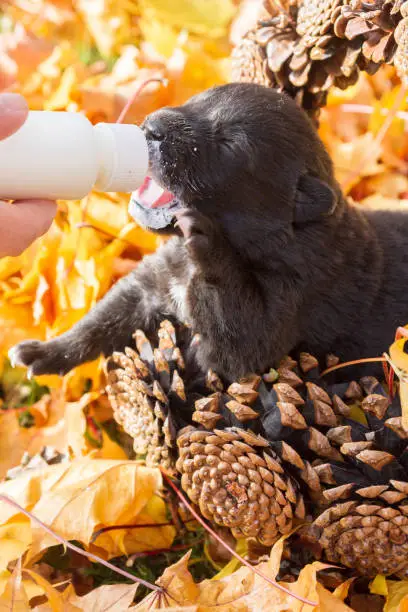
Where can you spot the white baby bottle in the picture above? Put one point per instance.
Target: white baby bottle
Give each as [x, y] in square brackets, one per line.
[61, 155]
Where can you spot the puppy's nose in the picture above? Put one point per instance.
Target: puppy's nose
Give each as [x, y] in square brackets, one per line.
[157, 124]
[154, 129]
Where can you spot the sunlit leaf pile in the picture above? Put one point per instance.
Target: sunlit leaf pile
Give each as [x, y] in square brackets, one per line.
[62, 457]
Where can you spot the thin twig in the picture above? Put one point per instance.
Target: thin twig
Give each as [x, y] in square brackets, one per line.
[346, 364]
[78, 550]
[229, 548]
[96, 534]
[136, 94]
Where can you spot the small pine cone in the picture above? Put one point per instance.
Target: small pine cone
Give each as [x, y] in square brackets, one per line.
[141, 385]
[238, 482]
[369, 534]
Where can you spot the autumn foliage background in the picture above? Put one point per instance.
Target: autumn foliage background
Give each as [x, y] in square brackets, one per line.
[91, 56]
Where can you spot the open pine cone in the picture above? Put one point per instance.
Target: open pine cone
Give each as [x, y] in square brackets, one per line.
[365, 526]
[259, 454]
[312, 45]
[237, 481]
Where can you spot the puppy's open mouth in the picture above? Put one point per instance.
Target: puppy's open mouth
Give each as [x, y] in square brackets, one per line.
[152, 206]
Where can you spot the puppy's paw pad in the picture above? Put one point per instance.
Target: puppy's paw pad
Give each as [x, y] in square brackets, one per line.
[38, 357]
[26, 353]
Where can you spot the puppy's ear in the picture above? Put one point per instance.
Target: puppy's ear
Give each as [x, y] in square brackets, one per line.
[313, 199]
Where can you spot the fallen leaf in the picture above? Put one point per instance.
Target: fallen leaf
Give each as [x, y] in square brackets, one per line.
[14, 597]
[108, 597]
[15, 538]
[209, 18]
[16, 440]
[397, 597]
[243, 590]
[71, 499]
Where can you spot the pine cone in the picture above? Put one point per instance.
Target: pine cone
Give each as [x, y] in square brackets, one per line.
[156, 393]
[238, 482]
[148, 396]
[365, 526]
[366, 535]
[318, 44]
[270, 446]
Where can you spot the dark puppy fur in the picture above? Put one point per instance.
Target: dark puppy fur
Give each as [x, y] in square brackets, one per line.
[267, 255]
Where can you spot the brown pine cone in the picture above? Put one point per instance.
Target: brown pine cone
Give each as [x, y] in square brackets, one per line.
[369, 535]
[275, 442]
[317, 44]
[237, 481]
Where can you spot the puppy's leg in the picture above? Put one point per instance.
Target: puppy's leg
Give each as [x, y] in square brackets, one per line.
[224, 299]
[135, 301]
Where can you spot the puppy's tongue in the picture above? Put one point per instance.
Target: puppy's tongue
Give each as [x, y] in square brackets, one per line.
[151, 195]
[152, 207]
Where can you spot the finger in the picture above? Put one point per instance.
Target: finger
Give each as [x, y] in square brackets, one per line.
[13, 113]
[22, 222]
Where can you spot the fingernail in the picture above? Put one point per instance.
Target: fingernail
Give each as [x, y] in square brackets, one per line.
[12, 103]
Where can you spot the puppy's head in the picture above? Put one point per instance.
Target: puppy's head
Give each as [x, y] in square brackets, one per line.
[240, 151]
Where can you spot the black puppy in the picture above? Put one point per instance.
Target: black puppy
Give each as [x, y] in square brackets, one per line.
[266, 255]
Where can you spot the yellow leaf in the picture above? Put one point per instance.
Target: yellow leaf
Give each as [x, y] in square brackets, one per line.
[15, 538]
[378, 201]
[328, 602]
[16, 440]
[110, 449]
[61, 98]
[379, 586]
[71, 499]
[397, 600]
[129, 541]
[31, 588]
[14, 597]
[179, 583]
[342, 590]
[54, 597]
[109, 597]
[355, 159]
[230, 567]
[203, 17]
[243, 590]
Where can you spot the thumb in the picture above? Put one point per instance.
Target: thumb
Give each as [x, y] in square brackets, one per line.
[13, 113]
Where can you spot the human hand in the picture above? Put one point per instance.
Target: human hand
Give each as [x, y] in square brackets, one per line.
[25, 220]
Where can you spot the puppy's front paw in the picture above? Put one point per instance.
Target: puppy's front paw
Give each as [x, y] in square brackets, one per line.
[39, 357]
[198, 230]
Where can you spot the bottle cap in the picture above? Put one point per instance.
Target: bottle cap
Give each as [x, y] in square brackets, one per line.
[124, 157]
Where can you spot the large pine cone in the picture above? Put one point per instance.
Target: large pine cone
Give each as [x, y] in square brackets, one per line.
[253, 454]
[317, 44]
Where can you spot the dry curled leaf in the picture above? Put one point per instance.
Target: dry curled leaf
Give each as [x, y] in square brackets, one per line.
[71, 499]
[243, 590]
